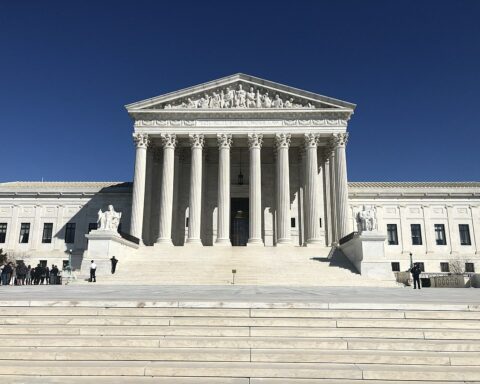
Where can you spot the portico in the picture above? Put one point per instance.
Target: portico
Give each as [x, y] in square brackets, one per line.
[281, 148]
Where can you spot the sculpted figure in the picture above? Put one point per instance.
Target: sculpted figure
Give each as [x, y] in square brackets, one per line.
[222, 99]
[108, 220]
[266, 101]
[240, 97]
[215, 100]
[259, 99]
[277, 102]
[289, 103]
[229, 98]
[251, 100]
[367, 219]
[191, 103]
[204, 101]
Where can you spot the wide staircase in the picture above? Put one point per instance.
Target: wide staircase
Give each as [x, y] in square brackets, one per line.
[287, 266]
[242, 343]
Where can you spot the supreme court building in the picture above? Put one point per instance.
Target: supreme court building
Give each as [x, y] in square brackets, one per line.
[244, 161]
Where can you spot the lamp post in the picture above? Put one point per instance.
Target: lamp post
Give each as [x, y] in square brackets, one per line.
[411, 260]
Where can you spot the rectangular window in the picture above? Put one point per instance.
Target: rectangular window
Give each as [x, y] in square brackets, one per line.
[395, 266]
[320, 222]
[47, 232]
[464, 234]
[440, 234]
[24, 233]
[92, 227]
[3, 232]
[469, 267]
[292, 222]
[392, 234]
[70, 233]
[421, 265]
[186, 222]
[444, 267]
[416, 234]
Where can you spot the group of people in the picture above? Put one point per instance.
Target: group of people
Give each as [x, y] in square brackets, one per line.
[13, 274]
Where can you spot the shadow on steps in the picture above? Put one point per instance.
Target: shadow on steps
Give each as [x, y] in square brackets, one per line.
[336, 258]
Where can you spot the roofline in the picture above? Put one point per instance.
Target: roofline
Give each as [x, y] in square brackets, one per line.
[235, 77]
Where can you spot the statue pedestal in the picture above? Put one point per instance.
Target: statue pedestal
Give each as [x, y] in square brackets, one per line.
[102, 245]
[366, 251]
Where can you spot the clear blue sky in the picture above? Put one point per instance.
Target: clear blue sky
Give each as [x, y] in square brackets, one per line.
[67, 68]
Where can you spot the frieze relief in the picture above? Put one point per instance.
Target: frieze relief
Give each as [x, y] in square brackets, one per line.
[241, 96]
[240, 123]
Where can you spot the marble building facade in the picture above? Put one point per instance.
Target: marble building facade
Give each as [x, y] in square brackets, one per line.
[243, 161]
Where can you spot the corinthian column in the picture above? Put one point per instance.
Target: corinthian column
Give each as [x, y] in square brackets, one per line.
[223, 230]
[138, 195]
[195, 201]
[282, 144]
[169, 142]
[311, 189]
[255, 199]
[339, 142]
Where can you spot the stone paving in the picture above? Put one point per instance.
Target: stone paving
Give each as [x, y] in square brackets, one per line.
[243, 293]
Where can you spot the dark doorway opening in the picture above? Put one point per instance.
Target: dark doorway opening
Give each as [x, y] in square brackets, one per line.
[239, 221]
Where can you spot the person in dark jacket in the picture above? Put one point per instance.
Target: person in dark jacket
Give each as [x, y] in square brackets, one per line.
[416, 271]
[114, 264]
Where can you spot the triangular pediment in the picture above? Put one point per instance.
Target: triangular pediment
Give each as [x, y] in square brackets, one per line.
[239, 92]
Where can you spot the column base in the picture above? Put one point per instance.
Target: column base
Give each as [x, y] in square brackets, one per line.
[314, 243]
[223, 243]
[283, 242]
[255, 243]
[163, 243]
[194, 242]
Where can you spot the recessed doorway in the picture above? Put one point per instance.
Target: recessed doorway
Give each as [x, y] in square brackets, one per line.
[239, 221]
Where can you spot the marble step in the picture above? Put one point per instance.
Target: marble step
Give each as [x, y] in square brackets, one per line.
[225, 321]
[427, 373]
[18, 379]
[331, 344]
[239, 355]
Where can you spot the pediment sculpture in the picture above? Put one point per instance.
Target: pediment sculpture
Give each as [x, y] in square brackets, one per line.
[108, 220]
[367, 219]
[229, 97]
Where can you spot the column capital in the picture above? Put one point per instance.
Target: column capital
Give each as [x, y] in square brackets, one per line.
[282, 140]
[169, 140]
[141, 140]
[339, 140]
[224, 140]
[197, 140]
[255, 140]
[310, 140]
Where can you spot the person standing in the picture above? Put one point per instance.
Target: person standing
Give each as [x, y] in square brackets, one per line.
[114, 262]
[416, 271]
[93, 270]
[28, 276]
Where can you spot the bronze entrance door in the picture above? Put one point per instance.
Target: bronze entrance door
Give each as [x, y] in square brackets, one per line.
[239, 221]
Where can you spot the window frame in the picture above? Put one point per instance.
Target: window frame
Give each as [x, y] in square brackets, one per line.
[70, 229]
[3, 232]
[445, 267]
[467, 240]
[24, 236]
[472, 269]
[418, 235]
[440, 229]
[390, 230]
[45, 239]
[395, 266]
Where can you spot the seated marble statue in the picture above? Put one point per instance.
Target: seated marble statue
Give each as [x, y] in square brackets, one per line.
[367, 219]
[109, 220]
